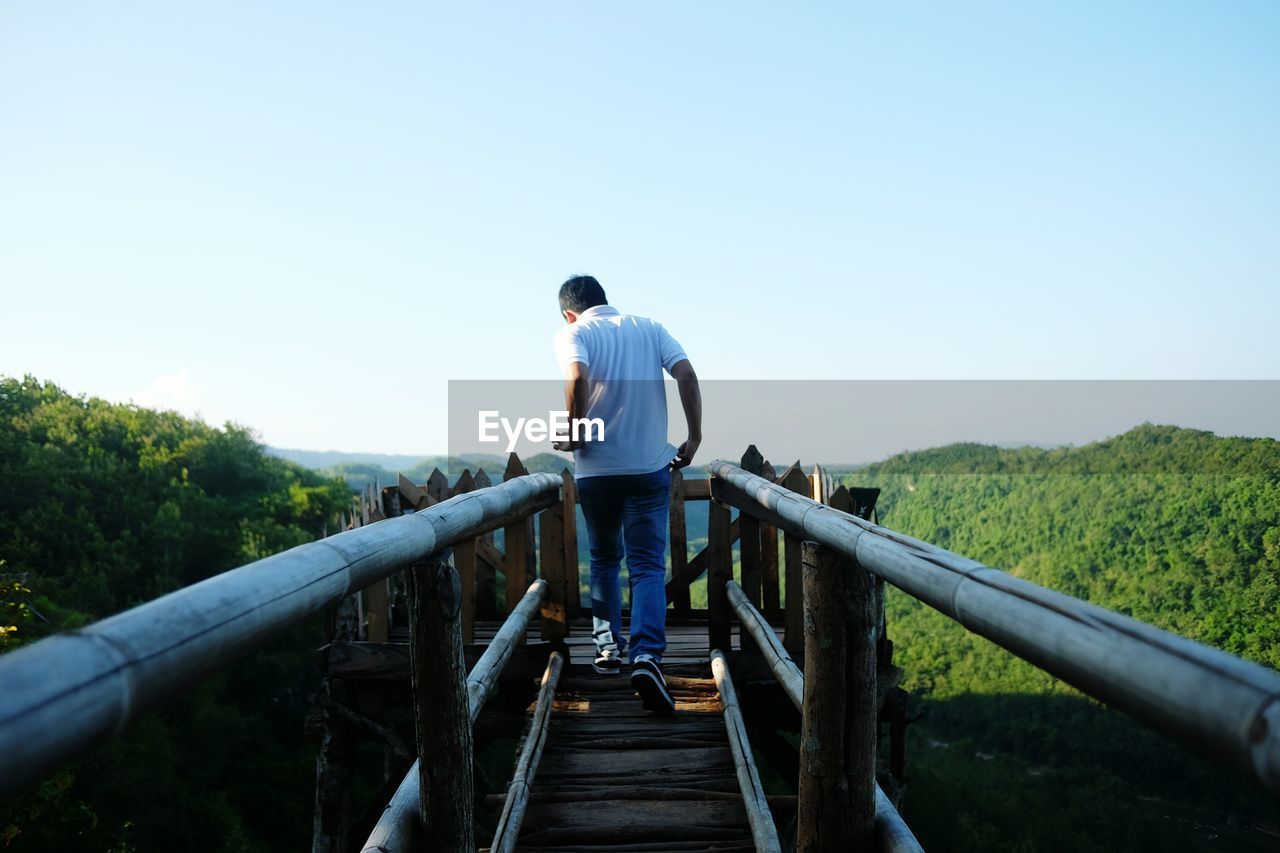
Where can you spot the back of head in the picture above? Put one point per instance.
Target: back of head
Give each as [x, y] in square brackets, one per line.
[580, 293]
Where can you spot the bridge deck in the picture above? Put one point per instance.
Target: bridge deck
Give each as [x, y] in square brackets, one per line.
[615, 777]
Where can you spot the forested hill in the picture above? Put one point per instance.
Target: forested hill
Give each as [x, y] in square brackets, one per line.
[1177, 527]
[103, 507]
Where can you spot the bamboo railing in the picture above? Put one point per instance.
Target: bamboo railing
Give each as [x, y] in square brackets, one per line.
[890, 832]
[402, 819]
[67, 693]
[1212, 702]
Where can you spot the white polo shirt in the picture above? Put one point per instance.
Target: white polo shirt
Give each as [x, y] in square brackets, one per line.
[625, 356]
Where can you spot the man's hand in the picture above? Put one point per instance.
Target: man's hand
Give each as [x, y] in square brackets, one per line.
[685, 454]
[565, 445]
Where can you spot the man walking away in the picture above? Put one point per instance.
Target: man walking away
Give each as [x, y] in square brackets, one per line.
[613, 363]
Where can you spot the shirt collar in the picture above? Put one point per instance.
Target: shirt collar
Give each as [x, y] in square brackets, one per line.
[598, 311]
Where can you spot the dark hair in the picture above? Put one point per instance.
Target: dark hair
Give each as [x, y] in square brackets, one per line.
[580, 293]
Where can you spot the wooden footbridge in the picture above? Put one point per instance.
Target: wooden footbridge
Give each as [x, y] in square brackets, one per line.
[496, 734]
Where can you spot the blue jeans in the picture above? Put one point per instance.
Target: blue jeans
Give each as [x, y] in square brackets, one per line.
[628, 510]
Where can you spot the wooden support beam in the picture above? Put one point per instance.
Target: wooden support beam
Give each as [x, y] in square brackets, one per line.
[763, 831]
[335, 763]
[719, 573]
[377, 608]
[516, 542]
[695, 567]
[678, 594]
[794, 479]
[464, 560]
[573, 577]
[770, 591]
[749, 535]
[508, 830]
[697, 489]
[837, 796]
[486, 550]
[555, 620]
[400, 823]
[441, 708]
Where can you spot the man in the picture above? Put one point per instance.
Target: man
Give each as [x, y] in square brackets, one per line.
[613, 363]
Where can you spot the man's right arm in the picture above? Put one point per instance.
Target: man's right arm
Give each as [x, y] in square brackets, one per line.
[691, 401]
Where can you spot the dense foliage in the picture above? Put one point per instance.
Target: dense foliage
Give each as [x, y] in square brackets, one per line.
[104, 507]
[1176, 527]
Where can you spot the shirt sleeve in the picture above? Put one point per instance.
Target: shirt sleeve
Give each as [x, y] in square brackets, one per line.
[569, 348]
[669, 349]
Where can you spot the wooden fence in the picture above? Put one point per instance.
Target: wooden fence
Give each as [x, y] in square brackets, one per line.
[1215, 703]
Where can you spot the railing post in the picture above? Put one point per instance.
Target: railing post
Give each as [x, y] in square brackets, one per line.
[573, 574]
[551, 550]
[836, 807]
[770, 592]
[749, 535]
[719, 573]
[515, 547]
[679, 542]
[794, 480]
[464, 560]
[440, 706]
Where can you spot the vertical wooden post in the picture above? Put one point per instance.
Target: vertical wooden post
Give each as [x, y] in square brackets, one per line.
[441, 715]
[836, 804]
[719, 573]
[679, 542]
[771, 592]
[749, 546]
[573, 573]
[554, 571]
[749, 536]
[486, 574]
[795, 480]
[515, 538]
[335, 760]
[464, 559]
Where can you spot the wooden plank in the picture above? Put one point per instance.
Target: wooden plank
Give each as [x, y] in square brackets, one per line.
[555, 620]
[770, 591]
[678, 594]
[763, 831]
[438, 486]
[836, 808]
[516, 542]
[793, 479]
[749, 536]
[697, 489]
[719, 572]
[464, 560]
[415, 496]
[441, 708]
[517, 801]
[573, 576]
[699, 564]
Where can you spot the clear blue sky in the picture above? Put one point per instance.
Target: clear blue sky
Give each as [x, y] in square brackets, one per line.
[244, 209]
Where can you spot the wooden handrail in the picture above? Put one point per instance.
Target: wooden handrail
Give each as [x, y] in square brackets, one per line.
[63, 695]
[892, 833]
[1206, 699]
[507, 833]
[400, 821]
[763, 830]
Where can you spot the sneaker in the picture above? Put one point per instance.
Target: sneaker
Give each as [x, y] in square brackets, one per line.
[607, 663]
[647, 680]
